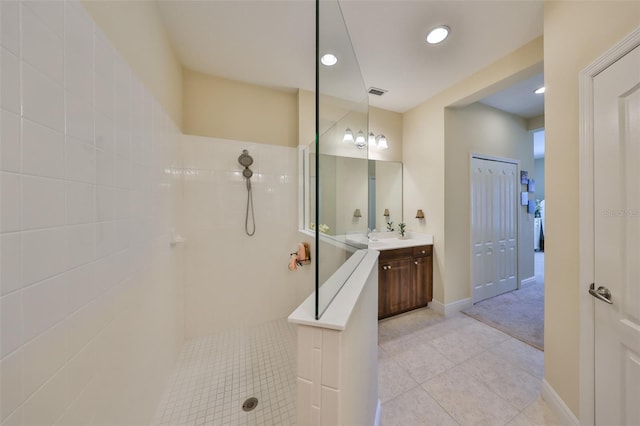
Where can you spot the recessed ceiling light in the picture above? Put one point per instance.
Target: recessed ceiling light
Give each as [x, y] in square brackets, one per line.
[329, 59]
[539, 90]
[438, 34]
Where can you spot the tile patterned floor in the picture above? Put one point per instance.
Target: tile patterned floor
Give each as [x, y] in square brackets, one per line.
[217, 373]
[432, 370]
[457, 371]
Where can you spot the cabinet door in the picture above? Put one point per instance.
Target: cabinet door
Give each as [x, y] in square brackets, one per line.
[420, 281]
[395, 287]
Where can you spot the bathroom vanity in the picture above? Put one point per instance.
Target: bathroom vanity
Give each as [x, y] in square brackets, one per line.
[405, 278]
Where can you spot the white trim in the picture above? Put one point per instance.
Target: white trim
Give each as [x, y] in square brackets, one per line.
[586, 244]
[450, 308]
[527, 282]
[557, 405]
[378, 418]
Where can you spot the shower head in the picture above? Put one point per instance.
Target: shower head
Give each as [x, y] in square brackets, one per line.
[247, 172]
[245, 159]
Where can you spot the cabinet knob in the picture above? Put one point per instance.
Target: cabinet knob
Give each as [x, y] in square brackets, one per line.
[389, 267]
[384, 268]
[416, 262]
[424, 252]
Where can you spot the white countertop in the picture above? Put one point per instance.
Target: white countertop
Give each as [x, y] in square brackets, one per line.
[390, 240]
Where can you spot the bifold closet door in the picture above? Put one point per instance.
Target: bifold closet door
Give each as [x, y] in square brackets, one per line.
[494, 228]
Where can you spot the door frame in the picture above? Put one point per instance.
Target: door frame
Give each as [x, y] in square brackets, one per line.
[473, 155]
[587, 257]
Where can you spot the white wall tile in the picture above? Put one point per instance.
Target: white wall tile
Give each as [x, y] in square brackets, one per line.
[43, 305]
[14, 419]
[10, 143]
[51, 12]
[11, 262]
[43, 202]
[42, 150]
[80, 203]
[105, 98]
[81, 286]
[81, 244]
[43, 254]
[105, 168]
[104, 133]
[41, 47]
[105, 238]
[123, 171]
[42, 98]
[79, 117]
[104, 61]
[10, 25]
[10, 207]
[46, 405]
[43, 356]
[123, 203]
[11, 369]
[105, 203]
[67, 220]
[10, 324]
[81, 369]
[81, 161]
[10, 77]
[78, 53]
[331, 355]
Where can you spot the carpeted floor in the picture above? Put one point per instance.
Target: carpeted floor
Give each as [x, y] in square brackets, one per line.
[519, 313]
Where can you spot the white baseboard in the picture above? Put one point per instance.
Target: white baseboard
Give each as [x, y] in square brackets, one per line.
[527, 282]
[450, 308]
[557, 405]
[377, 420]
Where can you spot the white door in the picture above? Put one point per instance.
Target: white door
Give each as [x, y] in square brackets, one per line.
[494, 229]
[617, 241]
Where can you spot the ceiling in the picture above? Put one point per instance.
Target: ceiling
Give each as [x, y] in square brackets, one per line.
[272, 43]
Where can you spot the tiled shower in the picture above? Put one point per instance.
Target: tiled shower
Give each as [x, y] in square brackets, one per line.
[91, 289]
[97, 296]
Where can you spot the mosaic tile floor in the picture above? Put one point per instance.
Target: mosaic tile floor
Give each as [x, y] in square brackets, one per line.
[217, 373]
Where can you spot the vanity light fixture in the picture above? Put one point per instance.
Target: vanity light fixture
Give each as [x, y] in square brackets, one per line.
[348, 136]
[357, 213]
[419, 214]
[329, 59]
[539, 90]
[438, 34]
[382, 142]
[386, 213]
[360, 141]
[371, 141]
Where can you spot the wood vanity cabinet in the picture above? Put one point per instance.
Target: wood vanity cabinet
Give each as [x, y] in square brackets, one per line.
[405, 279]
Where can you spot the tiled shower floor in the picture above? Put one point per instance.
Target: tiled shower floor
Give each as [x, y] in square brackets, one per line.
[217, 373]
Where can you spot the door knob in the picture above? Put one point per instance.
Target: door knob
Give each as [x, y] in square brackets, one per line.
[602, 293]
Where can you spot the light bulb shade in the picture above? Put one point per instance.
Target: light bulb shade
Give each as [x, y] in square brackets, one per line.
[348, 136]
[360, 141]
[372, 139]
[419, 214]
[357, 213]
[382, 142]
[386, 212]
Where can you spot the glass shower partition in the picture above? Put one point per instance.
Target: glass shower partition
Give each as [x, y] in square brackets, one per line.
[339, 194]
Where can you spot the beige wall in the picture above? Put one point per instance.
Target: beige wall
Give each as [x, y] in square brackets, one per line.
[424, 147]
[576, 33]
[388, 123]
[137, 32]
[220, 108]
[479, 129]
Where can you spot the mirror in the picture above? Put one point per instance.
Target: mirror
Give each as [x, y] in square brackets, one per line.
[381, 191]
